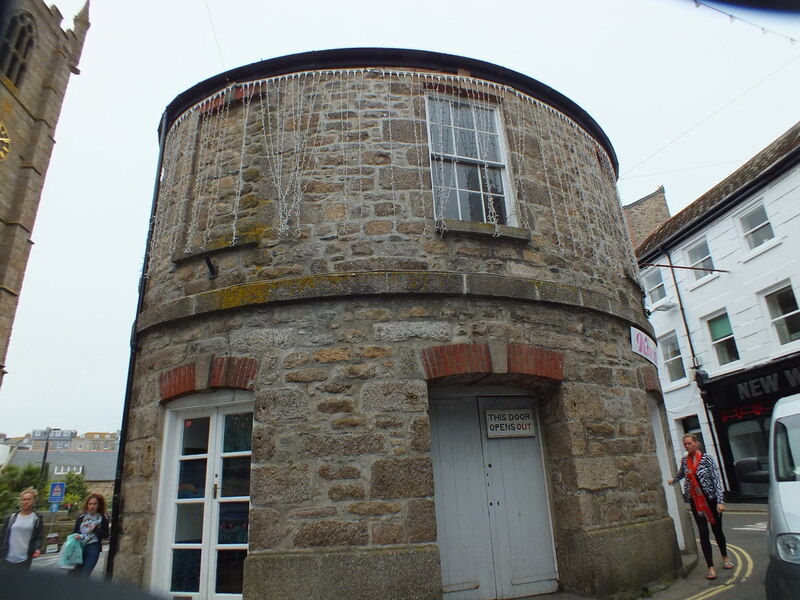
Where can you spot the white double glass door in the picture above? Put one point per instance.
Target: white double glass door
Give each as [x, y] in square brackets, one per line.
[204, 509]
[492, 510]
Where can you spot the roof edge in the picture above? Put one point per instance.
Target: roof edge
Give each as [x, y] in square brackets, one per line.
[345, 58]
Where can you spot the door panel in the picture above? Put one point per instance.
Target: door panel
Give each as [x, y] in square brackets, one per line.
[209, 511]
[492, 513]
[519, 514]
[461, 515]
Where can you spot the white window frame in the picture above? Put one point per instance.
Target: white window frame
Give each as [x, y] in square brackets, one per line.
[225, 400]
[648, 290]
[714, 343]
[666, 361]
[747, 233]
[437, 159]
[775, 336]
[701, 262]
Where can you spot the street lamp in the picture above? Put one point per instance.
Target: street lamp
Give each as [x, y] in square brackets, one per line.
[46, 446]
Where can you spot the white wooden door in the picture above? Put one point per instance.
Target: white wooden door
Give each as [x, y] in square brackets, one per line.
[492, 512]
[206, 504]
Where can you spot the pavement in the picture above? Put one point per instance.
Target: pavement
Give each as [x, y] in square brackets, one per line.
[677, 589]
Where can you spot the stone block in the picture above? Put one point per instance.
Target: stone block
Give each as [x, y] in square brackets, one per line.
[384, 534]
[350, 491]
[331, 533]
[420, 521]
[281, 403]
[402, 478]
[394, 396]
[406, 573]
[374, 508]
[280, 485]
[332, 472]
[266, 529]
[340, 445]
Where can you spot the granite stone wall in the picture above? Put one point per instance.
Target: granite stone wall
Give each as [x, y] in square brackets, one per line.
[344, 316]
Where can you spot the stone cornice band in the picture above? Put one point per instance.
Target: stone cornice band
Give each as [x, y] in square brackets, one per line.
[377, 283]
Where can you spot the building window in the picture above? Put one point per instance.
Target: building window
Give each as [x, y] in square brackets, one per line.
[20, 40]
[673, 361]
[756, 227]
[466, 162]
[785, 314]
[654, 286]
[722, 339]
[96, 436]
[700, 260]
[64, 469]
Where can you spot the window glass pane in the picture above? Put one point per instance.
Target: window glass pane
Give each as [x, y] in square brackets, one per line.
[464, 116]
[492, 180]
[655, 286]
[195, 436]
[471, 206]
[444, 174]
[189, 524]
[754, 218]
[720, 327]
[781, 302]
[484, 120]
[446, 203]
[489, 148]
[760, 235]
[238, 432]
[466, 144]
[233, 521]
[192, 479]
[185, 571]
[236, 476]
[726, 351]
[468, 177]
[440, 112]
[697, 253]
[230, 571]
[788, 329]
[787, 449]
[500, 209]
[442, 139]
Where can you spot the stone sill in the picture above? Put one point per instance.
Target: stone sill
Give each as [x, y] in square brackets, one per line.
[247, 239]
[485, 229]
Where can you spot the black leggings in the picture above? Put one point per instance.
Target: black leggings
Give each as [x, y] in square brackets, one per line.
[702, 529]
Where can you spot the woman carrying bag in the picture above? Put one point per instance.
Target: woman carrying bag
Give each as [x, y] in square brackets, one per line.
[91, 528]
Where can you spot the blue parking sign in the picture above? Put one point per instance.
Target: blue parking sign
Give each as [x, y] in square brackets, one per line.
[57, 489]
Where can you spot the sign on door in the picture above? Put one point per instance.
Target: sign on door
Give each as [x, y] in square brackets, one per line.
[510, 422]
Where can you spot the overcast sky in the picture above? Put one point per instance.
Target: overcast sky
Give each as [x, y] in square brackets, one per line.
[684, 93]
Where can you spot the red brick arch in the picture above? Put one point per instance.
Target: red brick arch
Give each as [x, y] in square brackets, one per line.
[223, 372]
[503, 363]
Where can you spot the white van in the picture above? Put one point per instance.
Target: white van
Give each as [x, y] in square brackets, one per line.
[783, 573]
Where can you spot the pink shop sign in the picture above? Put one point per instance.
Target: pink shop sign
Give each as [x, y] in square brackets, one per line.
[643, 344]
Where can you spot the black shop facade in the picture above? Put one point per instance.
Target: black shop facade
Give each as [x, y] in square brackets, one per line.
[740, 405]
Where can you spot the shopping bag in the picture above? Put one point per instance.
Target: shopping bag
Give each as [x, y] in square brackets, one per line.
[71, 552]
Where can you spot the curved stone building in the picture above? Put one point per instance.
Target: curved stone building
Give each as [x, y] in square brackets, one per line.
[383, 347]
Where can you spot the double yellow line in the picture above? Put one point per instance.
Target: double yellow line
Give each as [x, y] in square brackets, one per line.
[741, 573]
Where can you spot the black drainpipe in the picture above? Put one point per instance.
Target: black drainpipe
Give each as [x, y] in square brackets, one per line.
[695, 366]
[117, 503]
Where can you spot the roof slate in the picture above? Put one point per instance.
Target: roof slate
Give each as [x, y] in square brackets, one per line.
[97, 465]
[723, 192]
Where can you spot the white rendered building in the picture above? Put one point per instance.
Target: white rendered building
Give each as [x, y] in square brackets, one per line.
[722, 283]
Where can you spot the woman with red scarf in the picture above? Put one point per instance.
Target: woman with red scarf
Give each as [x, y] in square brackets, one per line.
[703, 490]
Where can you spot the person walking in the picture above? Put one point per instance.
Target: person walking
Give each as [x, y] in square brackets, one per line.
[22, 533]
[92, 527]
[702, 489]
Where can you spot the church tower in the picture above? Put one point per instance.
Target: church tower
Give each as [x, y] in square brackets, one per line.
[37, 58]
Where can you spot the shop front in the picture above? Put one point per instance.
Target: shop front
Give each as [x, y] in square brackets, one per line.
[740, 405]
